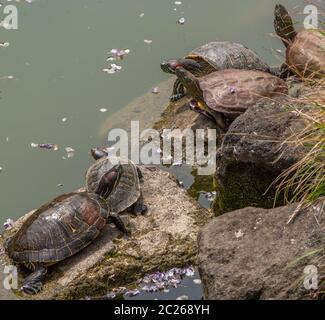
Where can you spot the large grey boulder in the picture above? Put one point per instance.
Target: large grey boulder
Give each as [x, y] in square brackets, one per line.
[254, 153]
[253, 254]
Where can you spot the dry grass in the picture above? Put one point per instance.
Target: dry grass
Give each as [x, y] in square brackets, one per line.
[304, 182]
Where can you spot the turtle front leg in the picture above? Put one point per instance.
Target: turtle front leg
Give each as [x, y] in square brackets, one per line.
[139, 207]
[178, 91]
[34, 282]
[220, 121]
[117, 220]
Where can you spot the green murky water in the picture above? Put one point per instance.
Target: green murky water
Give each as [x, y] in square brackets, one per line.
[56, 58]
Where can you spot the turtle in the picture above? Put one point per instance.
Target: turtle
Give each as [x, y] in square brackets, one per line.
[212, 57]
[60, 229]
[224, 95]
[305, 53]
[127, 194]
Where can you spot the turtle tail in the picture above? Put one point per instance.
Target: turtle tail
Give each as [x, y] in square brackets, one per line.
[283, 25]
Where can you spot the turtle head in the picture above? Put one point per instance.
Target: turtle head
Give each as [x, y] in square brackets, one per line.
[98, 153]
[170, 66]
[283, 24]
[190, 82]
[109, 181]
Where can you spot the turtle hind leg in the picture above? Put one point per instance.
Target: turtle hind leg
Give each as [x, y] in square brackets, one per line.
[220, 120]
[34, 282]
[139, 207]
[178, 91]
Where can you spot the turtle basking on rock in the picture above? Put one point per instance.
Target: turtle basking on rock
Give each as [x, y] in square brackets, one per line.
[212, 57]
[126, 194]
[226, 94]
[62, 228]
[305, 55]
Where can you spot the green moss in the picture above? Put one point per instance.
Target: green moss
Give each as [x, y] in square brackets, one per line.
[243, 187]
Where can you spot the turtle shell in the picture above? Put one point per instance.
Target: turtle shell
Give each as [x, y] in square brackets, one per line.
[227, 55]
[231, 91]
[58, 229]
[126, 192]
[306, 55]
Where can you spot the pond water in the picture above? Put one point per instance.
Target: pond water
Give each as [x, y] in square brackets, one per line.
[56, 59]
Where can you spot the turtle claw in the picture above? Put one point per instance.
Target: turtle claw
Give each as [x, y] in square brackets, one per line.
[139, 208]
[32, 288]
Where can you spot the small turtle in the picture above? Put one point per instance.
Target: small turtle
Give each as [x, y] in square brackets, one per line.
[60, 229]
[126, 194]
[226, 94]
[212, 57]
[305, 55]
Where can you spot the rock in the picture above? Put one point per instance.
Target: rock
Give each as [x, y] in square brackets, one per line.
[146, 109]
[253, 254]
[163, 238]
[254, 153]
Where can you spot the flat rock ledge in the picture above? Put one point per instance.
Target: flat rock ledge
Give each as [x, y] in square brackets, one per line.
[253, 254]
[165, 237]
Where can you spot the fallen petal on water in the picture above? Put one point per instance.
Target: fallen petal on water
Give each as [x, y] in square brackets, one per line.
[197, 281]
[103, 110]
[181, 21]
[9, 223]
[70, 152]
[147, 41]
[4, 44]
[132, 293]
[183, 298]
[47, 146]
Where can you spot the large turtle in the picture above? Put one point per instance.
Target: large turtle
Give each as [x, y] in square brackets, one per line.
[126, 194]
[226, 94]
[212, 57]
[60, 229]
[305, 55]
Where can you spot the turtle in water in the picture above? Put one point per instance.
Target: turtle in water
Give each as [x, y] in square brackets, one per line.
[126, 194]
[305, 55]
[212, 57]
[60, 229]
[226, 94]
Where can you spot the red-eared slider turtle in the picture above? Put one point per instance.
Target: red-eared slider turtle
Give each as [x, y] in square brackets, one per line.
[226, 94]
[126, 194]
[305, 54]
[60, 229]
[212, 57]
